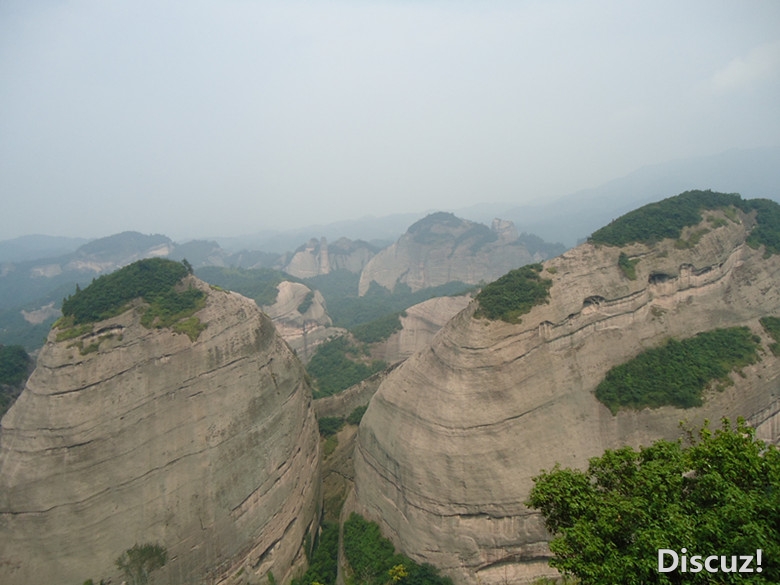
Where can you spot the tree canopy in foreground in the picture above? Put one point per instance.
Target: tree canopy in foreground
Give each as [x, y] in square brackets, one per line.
[719, 495]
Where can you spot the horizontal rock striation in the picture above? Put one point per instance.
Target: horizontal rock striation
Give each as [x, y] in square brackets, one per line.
[208, 448]
[316, 257]
[301, 318]
[452, 439]
[419, 324]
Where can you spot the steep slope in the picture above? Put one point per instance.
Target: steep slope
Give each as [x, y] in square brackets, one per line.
[301, 318]
[418, 325]
[452, 439]
[442, 248]
[129, 434]
[318, 257]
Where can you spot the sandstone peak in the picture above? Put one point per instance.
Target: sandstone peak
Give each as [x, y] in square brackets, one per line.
[453, 437]
[442, 248]
[129, 432]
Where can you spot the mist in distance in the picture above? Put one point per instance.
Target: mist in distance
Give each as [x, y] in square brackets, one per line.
[226, 118]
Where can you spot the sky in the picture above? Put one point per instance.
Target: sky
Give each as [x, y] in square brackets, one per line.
[217, 118]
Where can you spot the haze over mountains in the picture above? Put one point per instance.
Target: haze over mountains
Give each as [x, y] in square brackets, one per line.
[178, 414]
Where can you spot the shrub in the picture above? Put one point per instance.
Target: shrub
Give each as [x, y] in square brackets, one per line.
[306, 302]
[627, 266]
[717, 496]
[667, 218]
[14, 365]
[154, 280]
[772, 326]
[356, 415]
[109, 294]
[139, 561]
[676, 373]
[373, 560]
[663, 219]
[514, 294]
[330, 425]
[323, 564]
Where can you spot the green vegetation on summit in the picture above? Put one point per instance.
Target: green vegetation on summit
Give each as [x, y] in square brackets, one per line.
[109, 294]
[514, 294]
[717, 496]
[677, 372]
[154, 280]
[667, 218]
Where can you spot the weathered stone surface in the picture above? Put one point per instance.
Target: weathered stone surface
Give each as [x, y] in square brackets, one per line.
[442, 248]
[452, 439]
[306, 330]
[208, 448]
[418, 326]
[317, 257]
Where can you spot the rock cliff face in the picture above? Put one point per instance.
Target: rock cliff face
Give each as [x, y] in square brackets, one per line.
[452, 439]
[419, 324]
[301, 318]
[209, 448]
[442, 248]
[317, 257]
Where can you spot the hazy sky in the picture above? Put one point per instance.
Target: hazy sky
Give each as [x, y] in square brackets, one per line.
[223, 117]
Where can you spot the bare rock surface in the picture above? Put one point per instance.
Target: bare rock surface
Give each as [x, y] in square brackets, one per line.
[419, 324]
[450, 442]
[317, 257]
[209, 448]
[442, 248]
[301, 318]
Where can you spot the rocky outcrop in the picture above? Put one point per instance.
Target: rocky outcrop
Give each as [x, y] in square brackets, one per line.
[419, 323]
[301, 318]
[317, 257]
[209, 448]
[442, 248]
[452, 439]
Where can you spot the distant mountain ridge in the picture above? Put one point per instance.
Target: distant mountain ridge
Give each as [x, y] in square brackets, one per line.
[442, 248]
[753, 173]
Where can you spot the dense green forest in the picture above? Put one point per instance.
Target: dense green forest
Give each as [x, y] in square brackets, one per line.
[109, 294]
[333, 370]
[677, 372]
[373, 561]
[348, 310]
[667, 218]
[323, 561]
[15, 367]
[256, 283]
[153, 280]
[772, 326]
[378, 329]
[718, 495]
[514, 294]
